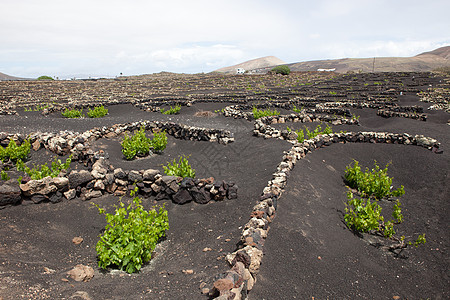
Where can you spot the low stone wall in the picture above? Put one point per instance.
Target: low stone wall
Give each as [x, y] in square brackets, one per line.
[155, 105]
[102, 179]
[307, 115]
[245, 261]
[66, 142]
[262, 126]
[356, 104]
[329, 110]
[93, 184]
[388, 113]
[7, 112]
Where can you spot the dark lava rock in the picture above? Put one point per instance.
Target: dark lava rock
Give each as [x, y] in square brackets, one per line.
[77, 178]
[187, 183]
[232, 192]
[56, 197]
[182, 196]
[9, 193]
[200, 196]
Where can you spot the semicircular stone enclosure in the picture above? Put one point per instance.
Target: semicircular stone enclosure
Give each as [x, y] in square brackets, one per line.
[243, 134]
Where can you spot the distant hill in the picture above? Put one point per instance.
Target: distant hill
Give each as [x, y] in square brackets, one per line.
[443, 52]
[423, 62]
[258, 63]
[8, 77]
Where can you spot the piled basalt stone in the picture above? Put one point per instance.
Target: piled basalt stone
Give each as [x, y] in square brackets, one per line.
[359, 104]
[440, 97]
[413, 108]
[87, 185]
[176, 130]
[245, 261]
[66, 142]
[262, 126]
[234, 111]
[80, 106]
[103, 178]
[239, 111]
[389, 112]
[329, 110]
[7, 112]
[155, 106]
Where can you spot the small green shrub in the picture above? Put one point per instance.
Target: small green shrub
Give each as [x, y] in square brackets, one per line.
[317, 131]
[139, 144]
[97, 112]
[283, 70]
[300, 135]
[374, 183]
[420, 240]
[4, 176]
[297, 110]
[45, 77]
[136, 145]
[388, 230]
[311, 134]
[259, 113]
[13, 152]
[397, 212]
[41, 107]
[182, 168]
[327, 130]
[362, 215]
[172, 110]
[72, 113]
[131, 235]
[40, 172]
[159, 141]
[37, 107]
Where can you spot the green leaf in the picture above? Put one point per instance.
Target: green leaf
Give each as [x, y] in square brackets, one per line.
[129, 237]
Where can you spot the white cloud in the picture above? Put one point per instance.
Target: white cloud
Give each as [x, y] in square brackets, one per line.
[139, 36]
[205, 58]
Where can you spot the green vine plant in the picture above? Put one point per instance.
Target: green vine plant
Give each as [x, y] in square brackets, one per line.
[172, 110]
[139, 145]
[297, 110]
[97, 112]
[73, 113]
[131, 235]
[182, 168]
[13, 152]
[364, 214]
[311, 134]
[373, 182]
[37, 107]
[260, 113]
[4, 176]
[159, 141]
[355, 117]
[40, 172]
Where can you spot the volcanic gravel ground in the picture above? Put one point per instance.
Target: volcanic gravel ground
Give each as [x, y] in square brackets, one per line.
[309, 252]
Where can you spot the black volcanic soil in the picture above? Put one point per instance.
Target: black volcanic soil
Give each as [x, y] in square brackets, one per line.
[309, 253]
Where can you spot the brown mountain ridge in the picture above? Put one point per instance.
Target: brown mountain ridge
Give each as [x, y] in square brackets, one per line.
[423, 62]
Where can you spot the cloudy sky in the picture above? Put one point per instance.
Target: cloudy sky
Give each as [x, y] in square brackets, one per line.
[108, 37]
